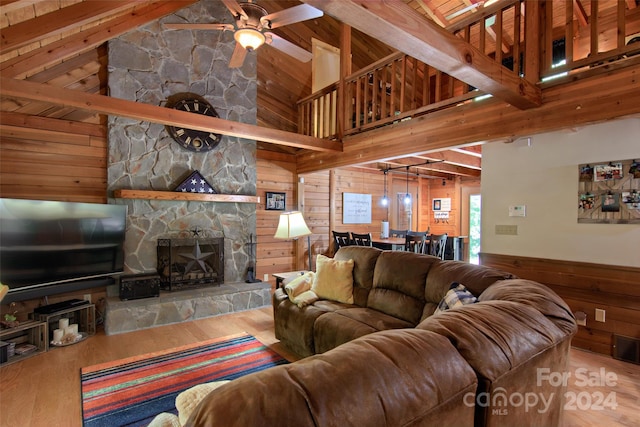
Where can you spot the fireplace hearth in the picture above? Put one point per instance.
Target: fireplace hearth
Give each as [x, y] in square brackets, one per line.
[190, 263]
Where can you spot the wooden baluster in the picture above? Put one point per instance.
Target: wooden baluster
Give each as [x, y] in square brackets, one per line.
[568, 31]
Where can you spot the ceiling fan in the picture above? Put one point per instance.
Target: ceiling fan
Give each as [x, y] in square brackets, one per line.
[249, 31]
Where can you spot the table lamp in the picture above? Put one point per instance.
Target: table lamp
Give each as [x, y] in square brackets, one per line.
[292, 226]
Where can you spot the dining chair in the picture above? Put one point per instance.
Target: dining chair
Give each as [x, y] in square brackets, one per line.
[361, 239]
[437, 245]
[418, 233]
[415, 243]
[397, 233]
[341, 239]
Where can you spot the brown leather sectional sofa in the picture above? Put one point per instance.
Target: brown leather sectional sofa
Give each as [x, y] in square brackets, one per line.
[387, 360]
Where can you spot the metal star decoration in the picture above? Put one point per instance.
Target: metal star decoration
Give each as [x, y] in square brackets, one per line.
[196, 231]
[197, 258]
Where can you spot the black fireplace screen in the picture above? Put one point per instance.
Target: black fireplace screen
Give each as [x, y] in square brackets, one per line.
[190, 263]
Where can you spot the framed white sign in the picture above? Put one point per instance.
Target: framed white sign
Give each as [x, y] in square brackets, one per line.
[356, 208]
[443, 204]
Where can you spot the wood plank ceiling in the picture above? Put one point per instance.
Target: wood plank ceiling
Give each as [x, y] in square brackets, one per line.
[61, 43]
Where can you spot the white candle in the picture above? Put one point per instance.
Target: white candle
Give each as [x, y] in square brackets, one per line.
[73, 329]
[63, 323]
[57, 335]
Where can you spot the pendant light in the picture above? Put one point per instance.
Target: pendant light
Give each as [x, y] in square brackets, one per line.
[407, 196]
[385, 199]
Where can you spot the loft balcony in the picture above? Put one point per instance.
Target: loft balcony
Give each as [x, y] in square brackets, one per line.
[526, 40]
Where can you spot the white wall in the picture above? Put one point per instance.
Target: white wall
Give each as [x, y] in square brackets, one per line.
[544, 177]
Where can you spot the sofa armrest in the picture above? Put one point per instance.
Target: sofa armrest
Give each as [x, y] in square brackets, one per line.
[496, 336]
[536, 295]
[278, 296]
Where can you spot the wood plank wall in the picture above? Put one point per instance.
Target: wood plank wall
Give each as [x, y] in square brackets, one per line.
[440, 189]
[585, 287]
[52, 159]
[275, 172]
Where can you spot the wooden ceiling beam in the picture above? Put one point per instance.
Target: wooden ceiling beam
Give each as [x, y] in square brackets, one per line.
[436, 166]
[102, 104]
[580, 13]
[403, 28]
[455, 158]
[433, 13]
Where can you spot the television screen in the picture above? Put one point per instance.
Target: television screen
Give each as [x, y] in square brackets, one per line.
[47, 243]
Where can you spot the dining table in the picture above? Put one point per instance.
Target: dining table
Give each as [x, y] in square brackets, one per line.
[389, 243]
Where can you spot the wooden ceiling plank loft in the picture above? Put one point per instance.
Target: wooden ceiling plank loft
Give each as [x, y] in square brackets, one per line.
[402, 28]
[83, 41]
[150, 113]
[55, 23]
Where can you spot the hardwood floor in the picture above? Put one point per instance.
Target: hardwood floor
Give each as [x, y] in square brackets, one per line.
[45, 390]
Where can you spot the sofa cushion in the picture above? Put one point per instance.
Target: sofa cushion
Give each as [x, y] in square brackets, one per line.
[334, 279]
[398, 284]
[294, 325]
[456, 296]
[364, 259]
[346, 324]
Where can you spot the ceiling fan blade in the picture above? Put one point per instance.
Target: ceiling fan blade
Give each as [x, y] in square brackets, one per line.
[223, 27]
[234, 8]
[237, 59]
[289, 48]
[289, 16]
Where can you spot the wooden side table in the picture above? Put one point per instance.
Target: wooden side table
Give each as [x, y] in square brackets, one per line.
[281, 277]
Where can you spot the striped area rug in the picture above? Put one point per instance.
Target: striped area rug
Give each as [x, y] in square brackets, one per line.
[132, 391]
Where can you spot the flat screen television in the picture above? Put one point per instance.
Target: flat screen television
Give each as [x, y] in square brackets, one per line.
[51, 247]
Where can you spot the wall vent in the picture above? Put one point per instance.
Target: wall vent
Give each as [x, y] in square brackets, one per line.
[627, 349]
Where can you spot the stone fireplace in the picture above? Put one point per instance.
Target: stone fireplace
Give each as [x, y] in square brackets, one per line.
[149, 65]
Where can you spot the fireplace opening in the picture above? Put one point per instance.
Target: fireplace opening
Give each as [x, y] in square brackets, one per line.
[190, 263]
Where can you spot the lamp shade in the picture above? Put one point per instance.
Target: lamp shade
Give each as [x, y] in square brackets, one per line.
[291, 225]
[249, 38]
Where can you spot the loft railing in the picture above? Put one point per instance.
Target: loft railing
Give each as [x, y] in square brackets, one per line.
[399, 86]
[391, 89]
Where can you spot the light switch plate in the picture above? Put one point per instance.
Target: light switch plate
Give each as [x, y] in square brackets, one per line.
[600, 315]
[508, 230]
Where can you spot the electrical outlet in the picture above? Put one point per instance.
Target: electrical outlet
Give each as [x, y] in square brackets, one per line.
[600, 315]
[266, 277]
[507, 230]
[87, 297]
[581, 318]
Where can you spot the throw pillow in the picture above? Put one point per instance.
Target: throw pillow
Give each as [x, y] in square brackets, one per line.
[456, 296]
[334, 279]
[187, 401]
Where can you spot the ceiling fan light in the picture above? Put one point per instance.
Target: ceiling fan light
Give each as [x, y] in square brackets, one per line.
[249, 38]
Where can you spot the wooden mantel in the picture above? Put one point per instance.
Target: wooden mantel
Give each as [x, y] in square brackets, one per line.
[180, 196]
